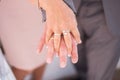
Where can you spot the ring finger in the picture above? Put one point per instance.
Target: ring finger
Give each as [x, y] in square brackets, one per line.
[68, 41]
[57, 39]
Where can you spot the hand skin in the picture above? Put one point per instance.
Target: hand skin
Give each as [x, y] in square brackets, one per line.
[62, 52]
[60, 18]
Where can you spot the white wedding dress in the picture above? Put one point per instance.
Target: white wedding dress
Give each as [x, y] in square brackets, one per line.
[20, 32]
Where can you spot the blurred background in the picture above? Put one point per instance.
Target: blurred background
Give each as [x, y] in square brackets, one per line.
[53, 71]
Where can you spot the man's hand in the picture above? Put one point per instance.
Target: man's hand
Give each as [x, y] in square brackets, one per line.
[62, 52]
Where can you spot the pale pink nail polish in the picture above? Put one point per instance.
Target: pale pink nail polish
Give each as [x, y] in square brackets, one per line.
[69, 55]
[74, 60]
[62, 65]
[80, 42]
[48, 61]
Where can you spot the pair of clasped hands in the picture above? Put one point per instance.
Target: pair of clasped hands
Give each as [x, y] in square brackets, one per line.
[60, 34]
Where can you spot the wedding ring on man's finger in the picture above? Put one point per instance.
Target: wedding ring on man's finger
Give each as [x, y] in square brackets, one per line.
[65, 32]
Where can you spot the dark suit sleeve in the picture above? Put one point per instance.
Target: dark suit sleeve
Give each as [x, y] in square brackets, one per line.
[73, 4]
[112, 14]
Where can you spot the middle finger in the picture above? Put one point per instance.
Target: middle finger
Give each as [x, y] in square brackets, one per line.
[68, 41]
[57, 39]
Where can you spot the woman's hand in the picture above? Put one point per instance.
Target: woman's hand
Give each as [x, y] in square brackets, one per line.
[61, 34]
[60, 21]
[62, 51]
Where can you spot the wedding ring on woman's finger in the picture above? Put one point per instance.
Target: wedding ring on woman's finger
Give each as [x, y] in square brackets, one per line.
[65, 32]
[57, 34]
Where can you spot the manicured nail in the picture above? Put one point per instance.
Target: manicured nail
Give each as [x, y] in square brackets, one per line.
[62, 65]
[69, 55]
[48, 61]
[79, 42]
[74, 61]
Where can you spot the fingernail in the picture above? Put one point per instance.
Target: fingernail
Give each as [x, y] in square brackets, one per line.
[69, 55]
[74, 61]
[48, 61]
[79, 42]
[62, 65]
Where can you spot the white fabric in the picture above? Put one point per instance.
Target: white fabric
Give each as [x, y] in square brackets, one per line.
[20, 30]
